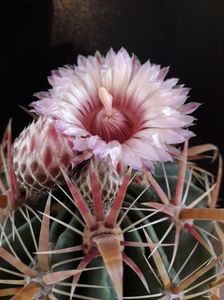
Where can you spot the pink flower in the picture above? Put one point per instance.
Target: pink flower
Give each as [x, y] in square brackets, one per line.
[115, 106]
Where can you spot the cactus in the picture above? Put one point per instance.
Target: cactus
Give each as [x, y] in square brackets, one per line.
[77, 223]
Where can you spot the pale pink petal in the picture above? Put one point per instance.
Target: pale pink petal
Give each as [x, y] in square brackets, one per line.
[172, 136]
[106, 78]
[110, 57]
[164, 155]
[170, 122]
[121, 74]
[143, 149]
[163, 72]
[189, 107]
[67, 129]
[148, 165]
[82, 61]
[130, 158]
[45, 106]
[81, 144]
[114, 151]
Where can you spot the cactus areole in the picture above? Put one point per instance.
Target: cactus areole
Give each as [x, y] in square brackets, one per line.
[98, 201]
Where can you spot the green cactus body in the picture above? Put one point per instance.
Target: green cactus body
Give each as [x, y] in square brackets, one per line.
[148, 239]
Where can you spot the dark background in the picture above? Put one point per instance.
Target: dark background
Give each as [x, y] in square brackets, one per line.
[37, 36]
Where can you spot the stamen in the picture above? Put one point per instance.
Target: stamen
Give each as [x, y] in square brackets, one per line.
[106, 100]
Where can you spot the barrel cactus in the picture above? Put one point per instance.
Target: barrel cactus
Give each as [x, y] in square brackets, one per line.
[96, 200]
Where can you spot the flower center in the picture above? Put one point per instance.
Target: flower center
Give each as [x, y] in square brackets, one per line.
[110, 123]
